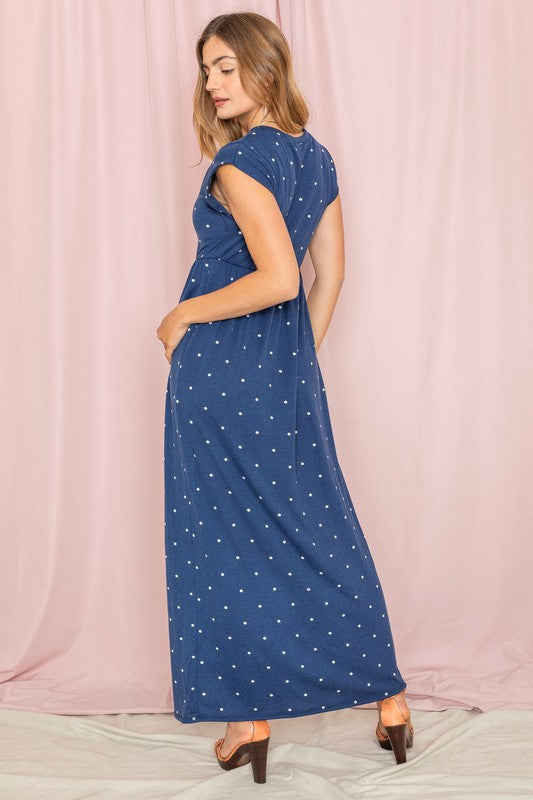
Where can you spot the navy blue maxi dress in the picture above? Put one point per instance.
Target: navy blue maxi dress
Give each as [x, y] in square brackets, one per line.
[275, 608]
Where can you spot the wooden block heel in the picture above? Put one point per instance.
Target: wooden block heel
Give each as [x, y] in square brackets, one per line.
[255, 750]
[258, 757]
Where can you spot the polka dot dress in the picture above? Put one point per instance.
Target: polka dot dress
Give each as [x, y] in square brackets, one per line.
[275, 608]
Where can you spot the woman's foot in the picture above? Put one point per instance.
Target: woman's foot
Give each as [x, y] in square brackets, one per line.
[396, 705]
[395, 730]
[245, 742]
[236, 733]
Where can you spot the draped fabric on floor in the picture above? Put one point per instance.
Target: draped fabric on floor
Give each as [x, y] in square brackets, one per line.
[426, 110]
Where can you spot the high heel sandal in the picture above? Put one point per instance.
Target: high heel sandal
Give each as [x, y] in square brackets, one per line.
[399, 734]
[254, 750]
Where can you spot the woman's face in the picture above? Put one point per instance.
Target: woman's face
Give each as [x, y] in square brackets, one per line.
[222, 81]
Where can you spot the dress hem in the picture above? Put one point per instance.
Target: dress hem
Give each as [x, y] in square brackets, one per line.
[249, 717]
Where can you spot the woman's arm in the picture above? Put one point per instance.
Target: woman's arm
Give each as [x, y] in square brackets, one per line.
[256, 212]
[327, 254]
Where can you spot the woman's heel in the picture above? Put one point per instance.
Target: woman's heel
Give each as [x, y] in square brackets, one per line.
[399, 735]
[254, 750]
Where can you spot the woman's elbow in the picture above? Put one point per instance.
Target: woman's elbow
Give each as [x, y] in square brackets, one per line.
[294, 292]
[293, 288]
[285, 287]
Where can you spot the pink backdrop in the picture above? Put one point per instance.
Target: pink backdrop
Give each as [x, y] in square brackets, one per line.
[426, 108]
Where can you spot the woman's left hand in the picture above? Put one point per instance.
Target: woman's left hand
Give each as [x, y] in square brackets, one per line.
[172, 330]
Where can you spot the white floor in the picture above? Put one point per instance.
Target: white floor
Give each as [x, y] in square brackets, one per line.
[457, 754]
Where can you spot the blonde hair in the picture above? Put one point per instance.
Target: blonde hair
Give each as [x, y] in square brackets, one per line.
[266, 73]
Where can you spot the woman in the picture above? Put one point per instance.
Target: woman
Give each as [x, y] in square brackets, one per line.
[275, 608]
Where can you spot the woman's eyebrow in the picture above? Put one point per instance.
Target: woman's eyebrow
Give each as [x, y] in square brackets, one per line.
[216, 60]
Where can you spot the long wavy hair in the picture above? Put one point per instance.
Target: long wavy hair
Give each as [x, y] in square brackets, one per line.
[266, 73]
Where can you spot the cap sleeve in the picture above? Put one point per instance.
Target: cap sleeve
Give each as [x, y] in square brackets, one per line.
[249, 160]
[332, 182]
[330, 187]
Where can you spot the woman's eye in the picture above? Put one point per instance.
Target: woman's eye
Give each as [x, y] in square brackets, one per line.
[225, 71]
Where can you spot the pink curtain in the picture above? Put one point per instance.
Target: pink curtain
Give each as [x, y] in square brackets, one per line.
[426, 108]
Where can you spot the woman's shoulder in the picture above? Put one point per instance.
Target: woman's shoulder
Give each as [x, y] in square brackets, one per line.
[251, 155]
[260, 145]
[244, 143]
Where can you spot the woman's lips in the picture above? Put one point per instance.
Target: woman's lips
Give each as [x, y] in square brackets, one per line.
[221, 102]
